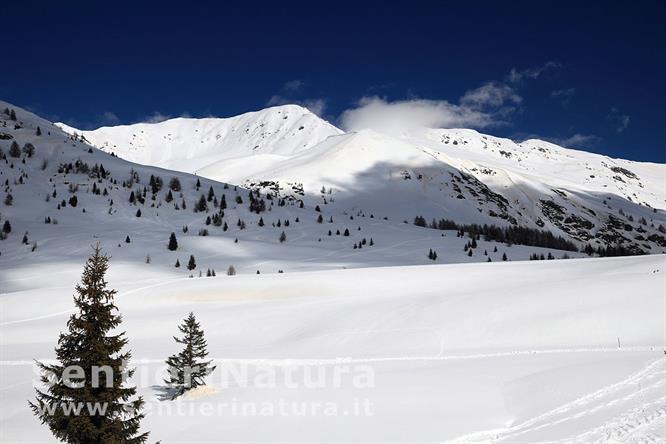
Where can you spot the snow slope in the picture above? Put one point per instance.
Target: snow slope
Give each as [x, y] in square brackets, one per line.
[456, 174]
[39, 185]
[505, 352]
[186, 144]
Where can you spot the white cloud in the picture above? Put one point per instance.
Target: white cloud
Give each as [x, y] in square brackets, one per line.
[579, 141]
[277, 100]
[398, 116]
[492, 94]
[488, 105]
[622, 120]
[563, 95]
[516, 76]
[109, 118]
[316, 106]
[156, 117]
[292, 85]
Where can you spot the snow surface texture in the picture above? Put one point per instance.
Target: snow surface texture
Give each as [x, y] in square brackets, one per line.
[455, 173]
[504, 352]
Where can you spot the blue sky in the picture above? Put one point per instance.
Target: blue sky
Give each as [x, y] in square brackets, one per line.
[589, 75]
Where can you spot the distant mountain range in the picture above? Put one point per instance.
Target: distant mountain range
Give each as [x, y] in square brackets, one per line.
[456, 174]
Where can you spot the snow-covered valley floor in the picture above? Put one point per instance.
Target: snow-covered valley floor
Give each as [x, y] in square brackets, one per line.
[516, 352]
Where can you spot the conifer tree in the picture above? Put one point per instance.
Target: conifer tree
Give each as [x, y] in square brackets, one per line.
[89, 345]
[283, 237]
[174, 184]
[14, 150]
[173, 243]
[188, 369]
[201, 205]
[192, 264]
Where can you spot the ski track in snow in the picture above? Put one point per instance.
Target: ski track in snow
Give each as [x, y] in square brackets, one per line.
[71, 310]
[341, 360]
[640, 398]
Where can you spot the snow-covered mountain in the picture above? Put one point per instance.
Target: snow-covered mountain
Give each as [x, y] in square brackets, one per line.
[59, 195]
[188, 145]
[457, 174]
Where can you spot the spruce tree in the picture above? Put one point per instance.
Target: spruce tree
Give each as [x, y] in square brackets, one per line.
[90, 345]
[173, 243]
[174, 184]
[188, 369]
[201, 205]
[15, 150]
[191, 265]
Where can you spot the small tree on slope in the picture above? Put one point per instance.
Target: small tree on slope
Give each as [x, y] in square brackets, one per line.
[188, 369]
[173, 243]
[89, 345]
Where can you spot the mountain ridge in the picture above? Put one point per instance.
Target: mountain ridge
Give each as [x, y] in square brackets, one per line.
[456, 174]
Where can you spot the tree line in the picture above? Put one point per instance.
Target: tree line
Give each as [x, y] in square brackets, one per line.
[509, 235]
